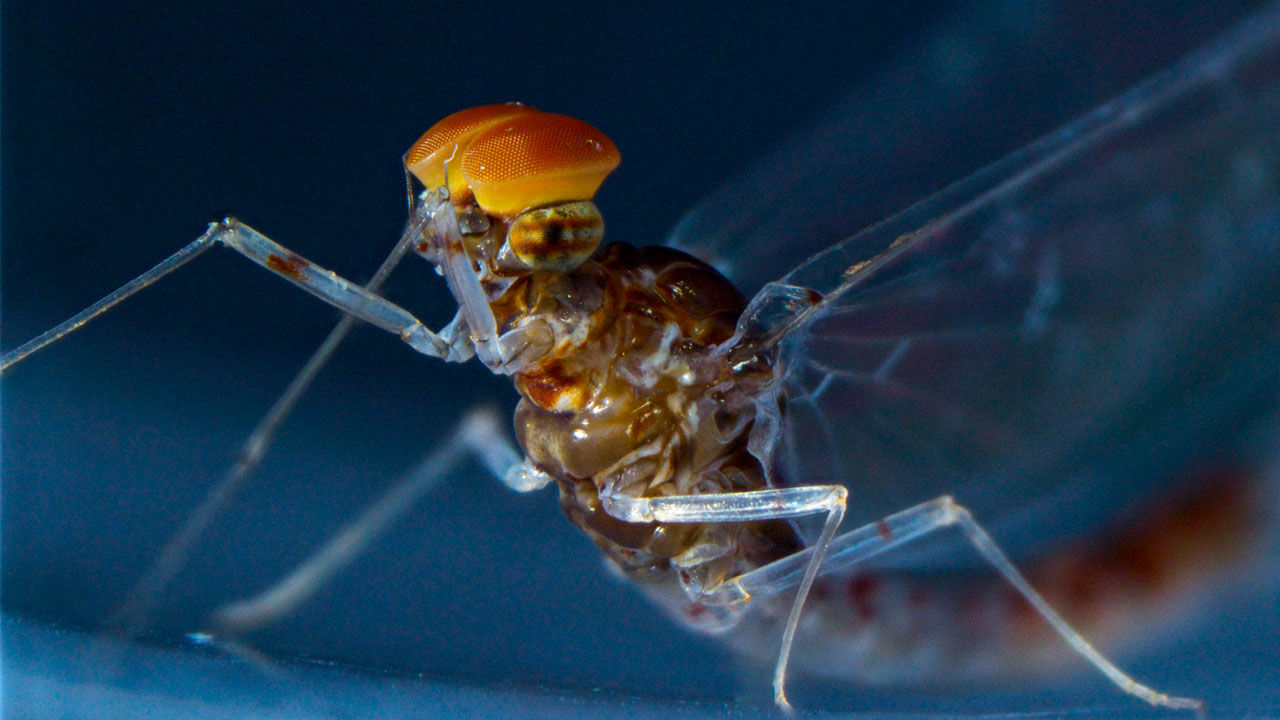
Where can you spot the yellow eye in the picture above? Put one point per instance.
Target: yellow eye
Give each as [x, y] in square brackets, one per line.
[512, 158]
[557, 238]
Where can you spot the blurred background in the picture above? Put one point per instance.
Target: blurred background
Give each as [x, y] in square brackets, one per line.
[126, 128]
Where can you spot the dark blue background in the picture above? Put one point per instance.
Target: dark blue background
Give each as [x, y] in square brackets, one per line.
[126, 128]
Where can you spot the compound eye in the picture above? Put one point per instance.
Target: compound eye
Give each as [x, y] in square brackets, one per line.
[558, 238]
[534, 160]
[438, 153]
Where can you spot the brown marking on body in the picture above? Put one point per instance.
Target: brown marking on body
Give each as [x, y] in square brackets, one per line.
[462, 198]
[512, 305]
[289, 266]
[548, 386]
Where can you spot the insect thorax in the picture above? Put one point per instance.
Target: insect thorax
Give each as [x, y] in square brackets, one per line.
[632, 399]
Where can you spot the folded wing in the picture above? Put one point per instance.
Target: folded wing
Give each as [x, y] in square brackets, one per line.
[1066, 333]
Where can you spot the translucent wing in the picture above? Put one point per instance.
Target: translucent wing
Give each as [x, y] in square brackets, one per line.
[1062, 334]
[983, 81]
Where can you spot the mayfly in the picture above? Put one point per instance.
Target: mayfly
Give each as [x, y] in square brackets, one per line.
[1007, 321]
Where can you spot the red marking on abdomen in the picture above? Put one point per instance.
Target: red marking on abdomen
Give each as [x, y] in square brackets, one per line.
[695, 610]
[1161, 552]
[862, 590]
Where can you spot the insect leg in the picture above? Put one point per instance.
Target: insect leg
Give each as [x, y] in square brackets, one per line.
[753, 505]
[324, 284]
[903, 527]
[479, 434]
[131, 616]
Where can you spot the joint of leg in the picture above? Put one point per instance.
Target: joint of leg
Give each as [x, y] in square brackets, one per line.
[481, 425]
[729, 592]
[525, 477]
[949, 511]
[627, 509]
[840, 496]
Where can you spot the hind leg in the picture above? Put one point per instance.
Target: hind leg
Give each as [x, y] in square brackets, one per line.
[479, 435]
[908, 525]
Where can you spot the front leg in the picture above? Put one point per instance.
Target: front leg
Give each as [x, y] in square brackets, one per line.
[749, 506]
[327, 285]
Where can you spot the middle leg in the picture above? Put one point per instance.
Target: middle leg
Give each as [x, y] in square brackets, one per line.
[747, 506]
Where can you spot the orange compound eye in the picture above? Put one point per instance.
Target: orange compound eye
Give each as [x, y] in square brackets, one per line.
[536, 159]
[438, 153]
[513, 157]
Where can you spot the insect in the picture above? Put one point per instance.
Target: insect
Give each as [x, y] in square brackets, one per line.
[1036, 306]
